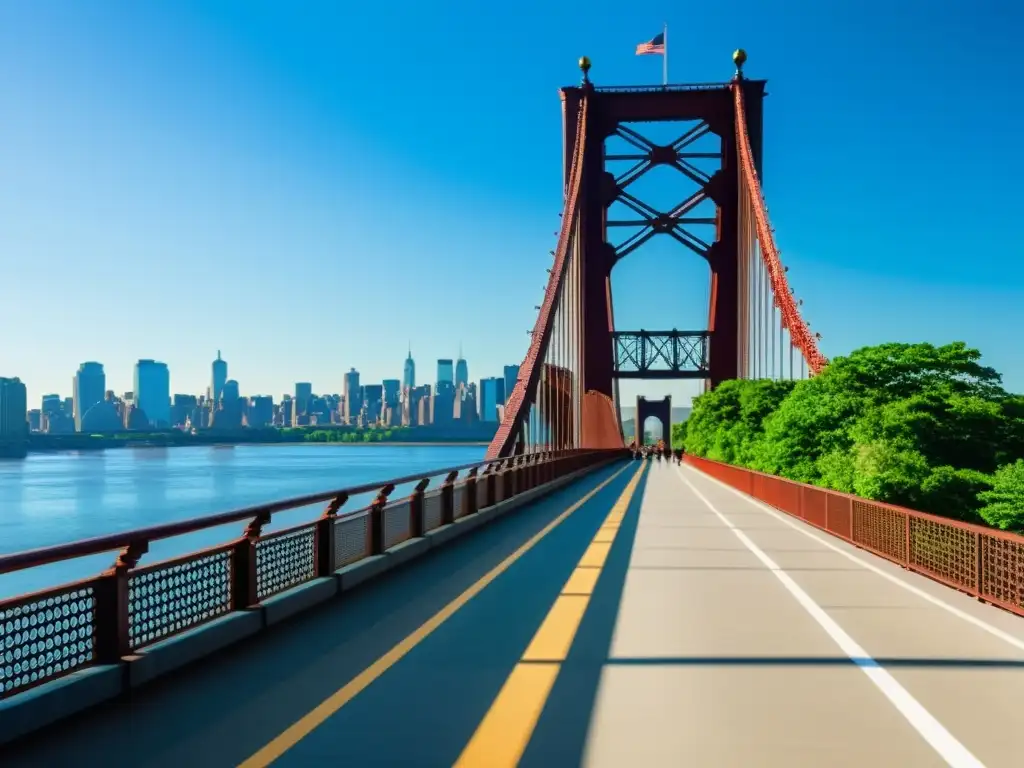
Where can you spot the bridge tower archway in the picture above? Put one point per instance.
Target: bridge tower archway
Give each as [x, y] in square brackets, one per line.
[653, 409]
[610, 113]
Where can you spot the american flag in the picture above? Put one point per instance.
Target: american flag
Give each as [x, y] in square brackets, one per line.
[652, 48]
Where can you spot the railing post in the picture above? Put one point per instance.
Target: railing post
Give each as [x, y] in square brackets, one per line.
[244, 585]
[853, 519]
[375, 519]
[325, 536]
[113, 628]
[469, 494]
[490, 480]
[516, 476]
[416, 509]
[906, 533]
[979, 564]
[448, 499]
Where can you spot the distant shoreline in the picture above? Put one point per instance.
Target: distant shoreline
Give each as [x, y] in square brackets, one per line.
[376, 444]
[128, 445]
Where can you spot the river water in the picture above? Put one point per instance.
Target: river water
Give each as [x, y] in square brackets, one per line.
[52, 498]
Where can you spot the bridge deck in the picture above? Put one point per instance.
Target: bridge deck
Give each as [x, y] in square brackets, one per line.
[665, 621]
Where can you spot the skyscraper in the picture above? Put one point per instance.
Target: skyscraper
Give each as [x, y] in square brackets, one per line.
[303, 394]
[461, 370]
[13, 411]
[409, 375]
[88, 388]
[153, 392]
[220, 375]
[353, 402]
[392, 392]
[492, 394]
[511, 374]
[445, 373]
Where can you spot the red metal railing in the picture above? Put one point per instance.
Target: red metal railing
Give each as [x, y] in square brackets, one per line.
[54, 632]
[983, 562]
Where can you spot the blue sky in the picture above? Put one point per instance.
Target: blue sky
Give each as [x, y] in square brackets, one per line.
[310, 186]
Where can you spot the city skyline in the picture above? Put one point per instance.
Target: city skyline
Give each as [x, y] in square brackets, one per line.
[35, 393]
[451, 402]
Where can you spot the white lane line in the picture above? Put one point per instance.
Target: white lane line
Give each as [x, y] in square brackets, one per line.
[1006, 637]
[920, 719]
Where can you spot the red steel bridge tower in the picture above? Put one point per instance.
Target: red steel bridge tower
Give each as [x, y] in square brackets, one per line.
[567, 393]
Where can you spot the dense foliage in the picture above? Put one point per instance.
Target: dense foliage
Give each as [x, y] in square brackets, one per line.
[918, 425]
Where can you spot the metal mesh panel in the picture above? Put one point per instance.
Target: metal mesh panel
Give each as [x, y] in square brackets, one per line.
[881, 529]
[944, 551]
[458, 495]
[45, 636]
[396, 523]
[840, 515]
[815, 506]
[431, 510]
[285, 560]
[1002, 569]
[350, 539]
[172, 597]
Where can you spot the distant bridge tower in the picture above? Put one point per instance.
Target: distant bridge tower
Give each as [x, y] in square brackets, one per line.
[659, 409]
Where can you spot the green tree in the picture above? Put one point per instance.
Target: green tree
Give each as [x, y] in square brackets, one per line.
[907, 397]
[1004, 502]
[727, 423]
[679, 435]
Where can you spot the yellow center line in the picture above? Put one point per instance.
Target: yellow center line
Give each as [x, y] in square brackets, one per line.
[502, 736]
[310, 721]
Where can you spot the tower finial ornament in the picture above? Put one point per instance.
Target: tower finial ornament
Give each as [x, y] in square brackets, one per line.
[585, 69]
[739, 58]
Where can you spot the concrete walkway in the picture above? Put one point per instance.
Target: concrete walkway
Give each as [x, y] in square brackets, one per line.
[747, 638]
[664, 621]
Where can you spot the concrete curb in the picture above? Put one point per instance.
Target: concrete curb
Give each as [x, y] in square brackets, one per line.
[39, 707]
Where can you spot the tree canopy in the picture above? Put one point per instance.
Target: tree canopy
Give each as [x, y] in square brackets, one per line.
[924, 426]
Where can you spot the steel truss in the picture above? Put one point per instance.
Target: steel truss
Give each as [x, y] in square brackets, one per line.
[661, 354]
[652, 221]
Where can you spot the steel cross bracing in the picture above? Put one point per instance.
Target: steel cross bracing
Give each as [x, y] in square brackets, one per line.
[651, 220]
[661, 354]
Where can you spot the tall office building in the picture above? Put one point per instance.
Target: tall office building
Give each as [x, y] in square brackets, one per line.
[303, 394]
[220, 375]
[511, 374]
[409, 374]
[261, 411]
[13, 411]
[492, 394]
[351, 393]
[392, 392]
[461, 371]
[52, 404]
[88, 389]
[372, 396]
[153, 392]
[445, 373]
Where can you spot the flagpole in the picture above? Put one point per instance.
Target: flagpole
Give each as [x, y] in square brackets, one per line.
[664, 58]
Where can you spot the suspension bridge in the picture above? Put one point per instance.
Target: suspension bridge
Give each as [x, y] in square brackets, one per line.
[559, 603]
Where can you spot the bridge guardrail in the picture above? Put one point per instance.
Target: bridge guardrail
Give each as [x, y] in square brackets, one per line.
[61, 630]
[983, 562]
